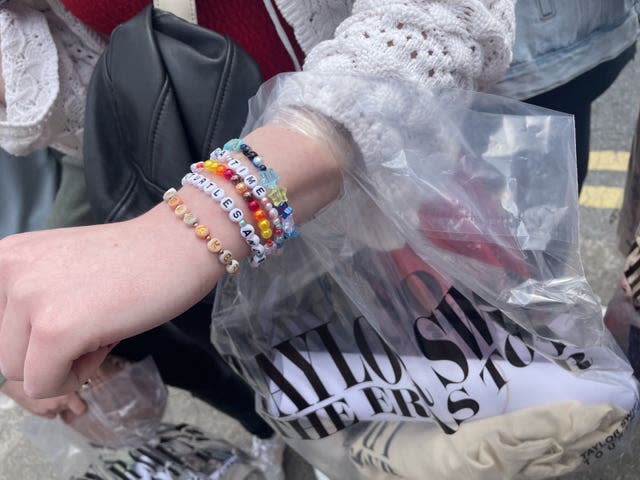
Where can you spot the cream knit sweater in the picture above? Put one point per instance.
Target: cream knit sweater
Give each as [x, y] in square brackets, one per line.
[48, 55]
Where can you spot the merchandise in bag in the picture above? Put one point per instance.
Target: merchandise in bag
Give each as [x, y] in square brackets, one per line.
[435, 321]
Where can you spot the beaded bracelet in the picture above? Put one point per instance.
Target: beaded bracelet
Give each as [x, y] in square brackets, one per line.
[245, 184]
[268, 179]
[214, 245]
[255, 195]
[236, 215]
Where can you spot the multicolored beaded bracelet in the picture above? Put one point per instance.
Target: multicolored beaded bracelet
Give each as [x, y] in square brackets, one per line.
[236, 215]
[214, 245]
[247, 185]
[262, 209]
[268, 179]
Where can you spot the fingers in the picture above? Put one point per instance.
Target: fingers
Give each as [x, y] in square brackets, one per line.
[67, 416]
[49, 372]
[87, 365]
[14, 338]
[74, 408]
[75, 404]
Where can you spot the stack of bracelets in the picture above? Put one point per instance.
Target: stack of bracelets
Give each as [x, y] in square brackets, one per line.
[265, 199]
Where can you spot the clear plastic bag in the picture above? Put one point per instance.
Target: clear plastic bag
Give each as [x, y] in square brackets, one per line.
[126, 402]
[178, 452]
[122, 434]
[435, 321]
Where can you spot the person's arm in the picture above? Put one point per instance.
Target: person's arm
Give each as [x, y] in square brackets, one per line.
[465, 44]
[66, 295]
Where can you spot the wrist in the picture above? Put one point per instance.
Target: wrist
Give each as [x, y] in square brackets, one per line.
[307, 169]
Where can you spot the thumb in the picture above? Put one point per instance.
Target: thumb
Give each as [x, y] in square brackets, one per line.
[75, 404]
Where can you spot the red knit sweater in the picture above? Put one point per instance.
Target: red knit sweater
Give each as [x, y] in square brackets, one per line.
[246, 21]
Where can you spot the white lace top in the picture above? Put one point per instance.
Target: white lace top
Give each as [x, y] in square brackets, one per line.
[48, 55]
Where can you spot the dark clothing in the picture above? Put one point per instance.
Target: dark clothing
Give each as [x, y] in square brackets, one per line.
[187, 359]
[575, 97]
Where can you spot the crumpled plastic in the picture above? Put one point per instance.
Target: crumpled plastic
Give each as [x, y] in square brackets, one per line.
[440, 298]
[122, 434]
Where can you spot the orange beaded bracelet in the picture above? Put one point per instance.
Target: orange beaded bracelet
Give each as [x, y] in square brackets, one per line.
[214, 245]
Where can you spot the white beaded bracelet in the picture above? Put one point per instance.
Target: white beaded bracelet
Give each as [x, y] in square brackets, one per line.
[235, 214]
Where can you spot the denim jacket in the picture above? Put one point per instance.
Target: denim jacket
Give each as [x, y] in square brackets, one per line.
[557, 40]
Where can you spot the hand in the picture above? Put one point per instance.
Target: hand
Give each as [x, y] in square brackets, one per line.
[67, 295]
[68, 406]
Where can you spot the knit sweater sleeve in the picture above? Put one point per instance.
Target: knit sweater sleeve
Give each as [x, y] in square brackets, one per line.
[47, 60]
[457, 43]
[438, 43]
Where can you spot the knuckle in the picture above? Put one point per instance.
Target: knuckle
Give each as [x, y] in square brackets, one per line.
[34, 391]
[45, 331]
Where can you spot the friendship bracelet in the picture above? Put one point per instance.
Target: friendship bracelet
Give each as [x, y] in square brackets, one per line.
[267, 217]
[236, 215]
[248, 186]
[268, 179]
[214, 245]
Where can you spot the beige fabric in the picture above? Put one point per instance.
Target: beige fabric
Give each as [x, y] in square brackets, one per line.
[182, 8]
[533, 443]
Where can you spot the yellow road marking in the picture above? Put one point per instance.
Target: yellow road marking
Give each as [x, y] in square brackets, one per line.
[597, 196]
[610, 160]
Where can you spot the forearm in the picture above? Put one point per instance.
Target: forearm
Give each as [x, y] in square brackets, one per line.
[307, 168]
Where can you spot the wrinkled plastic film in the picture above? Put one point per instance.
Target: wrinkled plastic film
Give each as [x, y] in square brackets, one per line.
[439, 305]
[126, 402]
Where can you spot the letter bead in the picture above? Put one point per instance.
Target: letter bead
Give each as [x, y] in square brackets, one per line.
[202, 231]
[235, 215]
[256, 261]
[225, 257]
[214, 245]
[259, 191]
[169, 193]
[180, 210]
[202, 181]
[253, 240]
[242, 171]
[257, 250]
[234, 164]
[251, 181]
[226, 204]
[190, 219]
[174, 201]
[247, 230]
[217, 194]
[233, 267]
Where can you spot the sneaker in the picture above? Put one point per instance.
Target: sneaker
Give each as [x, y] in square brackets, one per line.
[269, 454]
